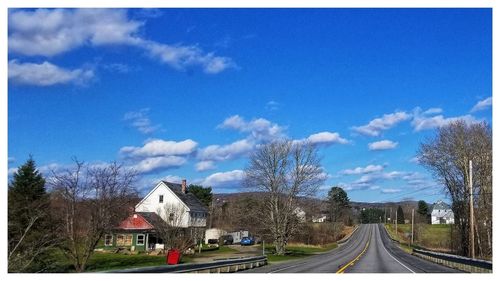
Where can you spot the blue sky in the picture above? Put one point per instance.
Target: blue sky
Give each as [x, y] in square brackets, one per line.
[189, 93]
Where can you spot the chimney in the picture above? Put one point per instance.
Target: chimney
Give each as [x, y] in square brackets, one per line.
[184, 186]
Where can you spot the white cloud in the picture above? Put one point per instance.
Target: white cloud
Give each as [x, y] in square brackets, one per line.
[259, 129]
[224, 179]
[390, 190]
[363, 170]
[158, 147]
[46, 74]
[153, 164]
[414, 160]
[326, 138]
[382, 145]
[482, 105]
[11, 172]
[434, 110]
[368, 181]
[51, 32]
[422, 122]
[272, 105]
[376, 126]
[226, 152]
[181, 57]
[205, 166]
[140, 120]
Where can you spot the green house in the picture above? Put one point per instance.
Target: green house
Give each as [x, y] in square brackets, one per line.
[135, 233]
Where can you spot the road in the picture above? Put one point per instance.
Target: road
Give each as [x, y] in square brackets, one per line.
[369, 250]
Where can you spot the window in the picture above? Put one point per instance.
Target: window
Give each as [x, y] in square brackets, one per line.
[108, 240]
[171, 217]
[124, 240]
[140, 239]
[161, 199]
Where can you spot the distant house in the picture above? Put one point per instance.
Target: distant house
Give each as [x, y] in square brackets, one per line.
[442, 213]
[319, 219]
[167, 201]
[300, 213]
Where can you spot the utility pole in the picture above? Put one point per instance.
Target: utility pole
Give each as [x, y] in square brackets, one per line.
[412, 218]
[385, 215]
[396, 224]
[471, 202]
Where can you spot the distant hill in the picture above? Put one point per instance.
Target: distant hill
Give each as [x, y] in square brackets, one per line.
[406, 204]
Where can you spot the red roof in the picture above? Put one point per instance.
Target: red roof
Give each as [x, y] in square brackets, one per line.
[135, 221]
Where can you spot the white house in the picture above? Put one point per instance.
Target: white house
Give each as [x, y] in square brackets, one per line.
[166, 201]
[174, 204]
[300, 213]
[319, 219]
[442, 213]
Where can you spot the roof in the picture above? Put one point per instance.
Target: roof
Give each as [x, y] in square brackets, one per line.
[193, 203]
[140, 220]
[440, 205]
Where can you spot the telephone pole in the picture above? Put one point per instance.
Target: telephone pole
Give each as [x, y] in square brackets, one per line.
[412, 218]
[471, 203]
[396, 224]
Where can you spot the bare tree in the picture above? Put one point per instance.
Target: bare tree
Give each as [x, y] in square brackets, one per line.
[171, 227]
[90, 200]
[447, 155]
[284, 170]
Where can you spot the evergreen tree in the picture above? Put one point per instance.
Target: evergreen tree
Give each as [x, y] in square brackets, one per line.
[401, 215]
[337, 202]
[28, 220]
[423, 208]
[204, 194]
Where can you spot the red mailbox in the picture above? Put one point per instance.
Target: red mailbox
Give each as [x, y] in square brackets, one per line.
[173, 256]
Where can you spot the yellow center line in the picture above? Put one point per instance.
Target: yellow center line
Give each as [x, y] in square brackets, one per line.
[340, 271]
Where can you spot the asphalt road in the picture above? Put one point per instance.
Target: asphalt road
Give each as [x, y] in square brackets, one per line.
[369, 250]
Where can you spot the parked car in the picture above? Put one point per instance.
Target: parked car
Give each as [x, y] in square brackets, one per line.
[226, 240]
[246, 241]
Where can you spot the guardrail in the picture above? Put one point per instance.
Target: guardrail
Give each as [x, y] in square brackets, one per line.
[220, 266]
[348, 236]
[458, 262]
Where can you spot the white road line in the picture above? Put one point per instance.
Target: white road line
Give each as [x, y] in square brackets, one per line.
[383, 246]
[284, 268]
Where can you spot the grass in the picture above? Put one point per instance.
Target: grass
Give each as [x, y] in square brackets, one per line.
[298, 251]
[111, 261]
[431, 236]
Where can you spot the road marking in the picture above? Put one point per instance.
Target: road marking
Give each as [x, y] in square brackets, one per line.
[340, 271]
[383, 246]
[281, 269]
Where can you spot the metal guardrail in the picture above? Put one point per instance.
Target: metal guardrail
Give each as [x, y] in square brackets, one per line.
[220, 266]
[347, 237]
[454, 261]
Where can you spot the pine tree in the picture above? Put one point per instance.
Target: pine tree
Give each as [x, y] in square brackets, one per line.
[401, 215]
[337, 202]
[27, 219]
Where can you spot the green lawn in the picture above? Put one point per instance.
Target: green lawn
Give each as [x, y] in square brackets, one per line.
[431, 236]
[111, 261]
[298, 251]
